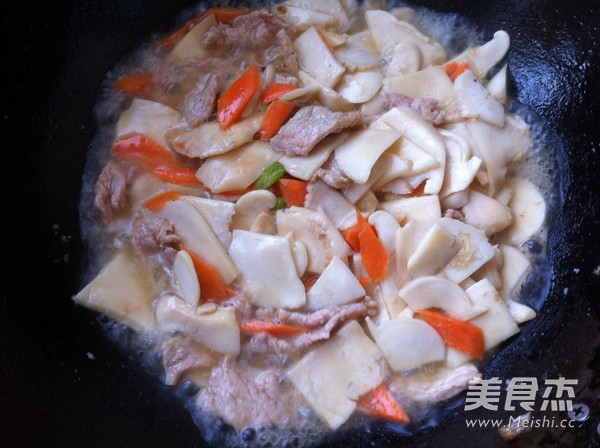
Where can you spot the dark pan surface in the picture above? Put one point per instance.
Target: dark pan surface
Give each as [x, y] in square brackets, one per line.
[62, 384]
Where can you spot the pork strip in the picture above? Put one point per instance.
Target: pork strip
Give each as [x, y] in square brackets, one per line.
[181, 356]
[426, 107]
[152, 235]
[111, 190]
[309, 126]
[332, 175]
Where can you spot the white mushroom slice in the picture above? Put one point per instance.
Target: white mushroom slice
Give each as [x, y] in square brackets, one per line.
[264, 223]
[149, 118]
[218, 215]
[406, 58]
[186, 277]
[250, 205]
[368, 203]
[333, 39]
[191, 44]
[420, 208]
[331, 8]
[528, 209]
[386, 226]
[304, 167]
[318, 234]
[482, 59]
[455, 200]
[357, 155]
[210, 140]
[514, 267]
[356, 191]
[316, 58]
[422, 133]
[408, 343]
[359, 87]
[497, 85]
[358, 52]
[387, 292]
[336, 373]
[301, 92]
[461, 168]
[407, 240]
[124, 291]
[418, 161]
[237, 169]
[303, 18]
[437, 292]
[196, 234]
[454, 358]
[388, 32]
[299, 254]
[218, 331]
[431, 82]
[496, 323]
[144, 186]
[474, 100]
[504, 195]
[267, 270]
[396, 168]
[486, 213]
[434, 252]
[326, 95]
[341, 212]
[520, 313]
[405, 186]
[475, 250]
[335, 286]
[490, 270]
[375, 106]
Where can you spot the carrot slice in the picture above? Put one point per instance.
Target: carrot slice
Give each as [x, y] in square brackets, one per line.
[155, 203]
[275, 116]
[293, 191]
[381, 403]
[459, 334]
[235, 192]
[136, 85]
[234, 100]
[374, 257]
[223, 15]
[176, 174]
[212, 287]
[454, 69]
[258, 326]
[275, 91]
[351, 237]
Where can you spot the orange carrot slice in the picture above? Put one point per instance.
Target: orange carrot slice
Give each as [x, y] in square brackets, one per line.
[381, 403]
[234, 100]
[155, 203]
[293, 191]
[374, 257]
[275, 116]
[275, 91]
[258, 326]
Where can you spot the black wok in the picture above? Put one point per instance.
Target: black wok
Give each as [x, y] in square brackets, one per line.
[63, 384]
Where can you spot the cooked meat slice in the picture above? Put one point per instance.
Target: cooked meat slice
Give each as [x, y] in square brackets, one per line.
[309, 126]
[428, 388]
[200, 101]
[454, 214]
[111, 190]
[427, 107]
[244, 398]
[332, 175]
[154, 234]
[274, 351]
[181, 355]
[257, 29]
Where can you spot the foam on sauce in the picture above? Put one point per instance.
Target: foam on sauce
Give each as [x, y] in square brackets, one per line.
[540, 166]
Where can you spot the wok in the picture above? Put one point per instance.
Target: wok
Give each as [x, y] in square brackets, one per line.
[63, 384]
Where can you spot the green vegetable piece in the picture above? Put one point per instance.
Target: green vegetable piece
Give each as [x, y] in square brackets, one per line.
[280, 203]
[269, 176]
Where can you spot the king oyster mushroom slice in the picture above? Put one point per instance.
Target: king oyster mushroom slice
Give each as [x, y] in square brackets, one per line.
[316, 58]
[486, 213]
[497, 322]
[218, 215]
[438, 292]
[267, 270]
[431, 82]
[250, 205]
[335, 286]
[528, 209]
[359, 87]
[386, 226]
[434, 252]
[218, 330]
[299, 254]
[303, 13]
[482, 59]
[475, 102]
[405, 58]
[461, 166]
[341, 212]
[521, 313]
[186, 278]
[407, 343]
[497, 85]
[191, 44]
[318, 234]
[358, 52]
[514, 267]
[475, 249]
[420, 208]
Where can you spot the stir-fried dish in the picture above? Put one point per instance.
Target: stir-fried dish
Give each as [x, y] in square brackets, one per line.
[314, 212]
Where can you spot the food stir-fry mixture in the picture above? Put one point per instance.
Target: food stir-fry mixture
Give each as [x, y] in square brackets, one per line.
[314, 212]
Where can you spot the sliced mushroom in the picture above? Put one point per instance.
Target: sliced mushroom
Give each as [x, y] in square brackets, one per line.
[497, 85]
[313, 12]
[386, 227]
[299, 254]
[250, 205]
[358, 52]
[482, 59]
[191, 44]
[521, 313]
[368, 203]
[264, 223]
[431, 82]
[474, 100]
[434, 252]
[437, 292]
[486, 213]
[326, 95]
[218, 331]
[359, 87]
[408, 343]
[461, 168]
[149, 118]
[405, 58]
[335, 286]
[355, 192]
[267, 270]
[341, 212]
[514, 267]
[420, 208]
[186, 278]
[316, 58]
[218, 215]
